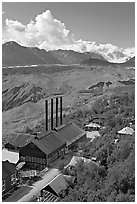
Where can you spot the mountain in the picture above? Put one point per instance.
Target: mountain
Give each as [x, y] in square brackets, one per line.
[14, 54]
[130, 63]
[98, 62]
[73, 57]
[95, 62]
[108, 51]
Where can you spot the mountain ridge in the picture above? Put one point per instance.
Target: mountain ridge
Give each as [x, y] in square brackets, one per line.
[14, 54]
[98, 62]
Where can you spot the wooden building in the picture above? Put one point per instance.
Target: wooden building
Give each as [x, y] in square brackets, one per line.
[71, 133]
[43, 150]
[18, 140]
[8, 177]
[126, 131]
[92, 127]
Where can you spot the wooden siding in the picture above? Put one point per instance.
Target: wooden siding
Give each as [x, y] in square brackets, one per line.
[32, 154]
[32, 150]
[55, 155]
[8, 185]
[71, 144]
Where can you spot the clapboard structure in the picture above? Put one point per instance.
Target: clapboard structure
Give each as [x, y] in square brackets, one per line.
[8, 177]
[43, 150]
[71, 133]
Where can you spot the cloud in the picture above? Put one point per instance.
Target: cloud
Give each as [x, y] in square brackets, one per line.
[46, 32]
[14, 26]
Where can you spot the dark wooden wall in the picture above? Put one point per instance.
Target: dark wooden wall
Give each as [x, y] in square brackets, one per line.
[8, 184]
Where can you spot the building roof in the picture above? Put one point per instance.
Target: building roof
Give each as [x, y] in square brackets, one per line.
[76, 159]
[12, 157]
[7, 169]
[126, 131]
[58, 183]
[70, 132]
[20, 140]
[48, 142]
[92, 125]
[25, 194]
[92, 134]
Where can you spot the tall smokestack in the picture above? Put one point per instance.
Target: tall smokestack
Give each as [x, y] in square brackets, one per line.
[56, 112]
[52, 114]
[46, 114]
[60, 110]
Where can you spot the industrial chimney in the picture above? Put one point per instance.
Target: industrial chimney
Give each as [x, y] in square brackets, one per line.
[56, 112]
[46, 114]
[51, 113]
[60, 110]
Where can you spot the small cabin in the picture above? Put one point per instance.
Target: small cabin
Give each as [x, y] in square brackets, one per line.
[8, 177]
[126, 131]
[92, 127]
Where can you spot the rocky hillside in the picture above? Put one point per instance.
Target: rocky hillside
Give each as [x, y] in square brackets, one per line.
[23, 93]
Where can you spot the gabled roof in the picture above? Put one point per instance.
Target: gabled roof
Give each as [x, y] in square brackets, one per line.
[7, 169]
[92, 125]
[48, 142]
[70, 132]
[20, 140]
[58, 183]
[76, 159]
[126, 131]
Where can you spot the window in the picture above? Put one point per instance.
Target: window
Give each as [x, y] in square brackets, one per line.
[3, 185]
[30, 159]
[56, 156]
[59, 153]
[22, 158]
[62, 152]
[13, 179]
[44, 161]
[41, 160]
[33, 159]
[50, 159]
[38, 160]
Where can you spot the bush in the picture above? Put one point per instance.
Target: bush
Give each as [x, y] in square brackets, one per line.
[61, 167]
[28, 130]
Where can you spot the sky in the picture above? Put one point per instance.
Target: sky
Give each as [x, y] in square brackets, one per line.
[69, 25]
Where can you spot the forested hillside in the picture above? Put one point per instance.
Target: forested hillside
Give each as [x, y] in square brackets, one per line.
[113, 180]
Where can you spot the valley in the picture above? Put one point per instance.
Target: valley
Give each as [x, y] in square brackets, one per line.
[25, 89]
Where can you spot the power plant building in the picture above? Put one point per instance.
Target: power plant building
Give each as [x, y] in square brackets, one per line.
[54, 142]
